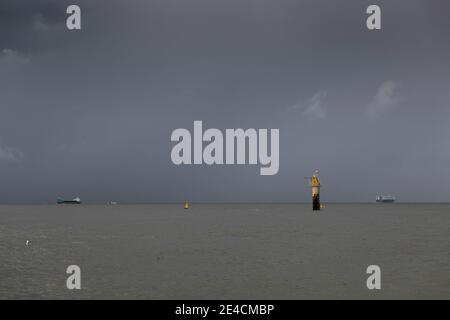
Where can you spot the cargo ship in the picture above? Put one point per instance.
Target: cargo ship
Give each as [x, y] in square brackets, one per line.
[385, 199]
[73, 201]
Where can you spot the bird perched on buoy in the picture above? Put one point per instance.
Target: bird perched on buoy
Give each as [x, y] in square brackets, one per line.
[186, 205]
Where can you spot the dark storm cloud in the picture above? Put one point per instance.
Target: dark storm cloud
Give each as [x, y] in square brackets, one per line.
[90, 112]
[30, 26]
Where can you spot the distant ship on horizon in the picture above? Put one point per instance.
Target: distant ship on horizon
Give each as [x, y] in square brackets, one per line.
[76, 200]
[385, 199]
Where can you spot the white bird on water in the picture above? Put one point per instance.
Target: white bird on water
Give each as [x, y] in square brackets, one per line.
[27, 243]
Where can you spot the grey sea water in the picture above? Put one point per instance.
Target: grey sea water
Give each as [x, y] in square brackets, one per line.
[225, 251]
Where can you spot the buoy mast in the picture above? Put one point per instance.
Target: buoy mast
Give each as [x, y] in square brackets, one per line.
[315, 190]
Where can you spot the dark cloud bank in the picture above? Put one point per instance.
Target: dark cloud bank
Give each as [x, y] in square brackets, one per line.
[90, 112]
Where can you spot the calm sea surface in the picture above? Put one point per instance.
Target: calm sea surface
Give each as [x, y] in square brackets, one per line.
[225, 251]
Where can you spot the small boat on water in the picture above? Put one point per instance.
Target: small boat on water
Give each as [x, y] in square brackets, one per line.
[76, 200]
[385, 199]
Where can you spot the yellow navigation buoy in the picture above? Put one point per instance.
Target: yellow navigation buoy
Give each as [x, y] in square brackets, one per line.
[314, 183]
[186, 205]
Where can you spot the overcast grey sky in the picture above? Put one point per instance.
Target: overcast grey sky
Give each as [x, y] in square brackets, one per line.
[89, 113]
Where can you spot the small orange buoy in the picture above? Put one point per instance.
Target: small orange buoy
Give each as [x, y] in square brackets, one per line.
[186, 205]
